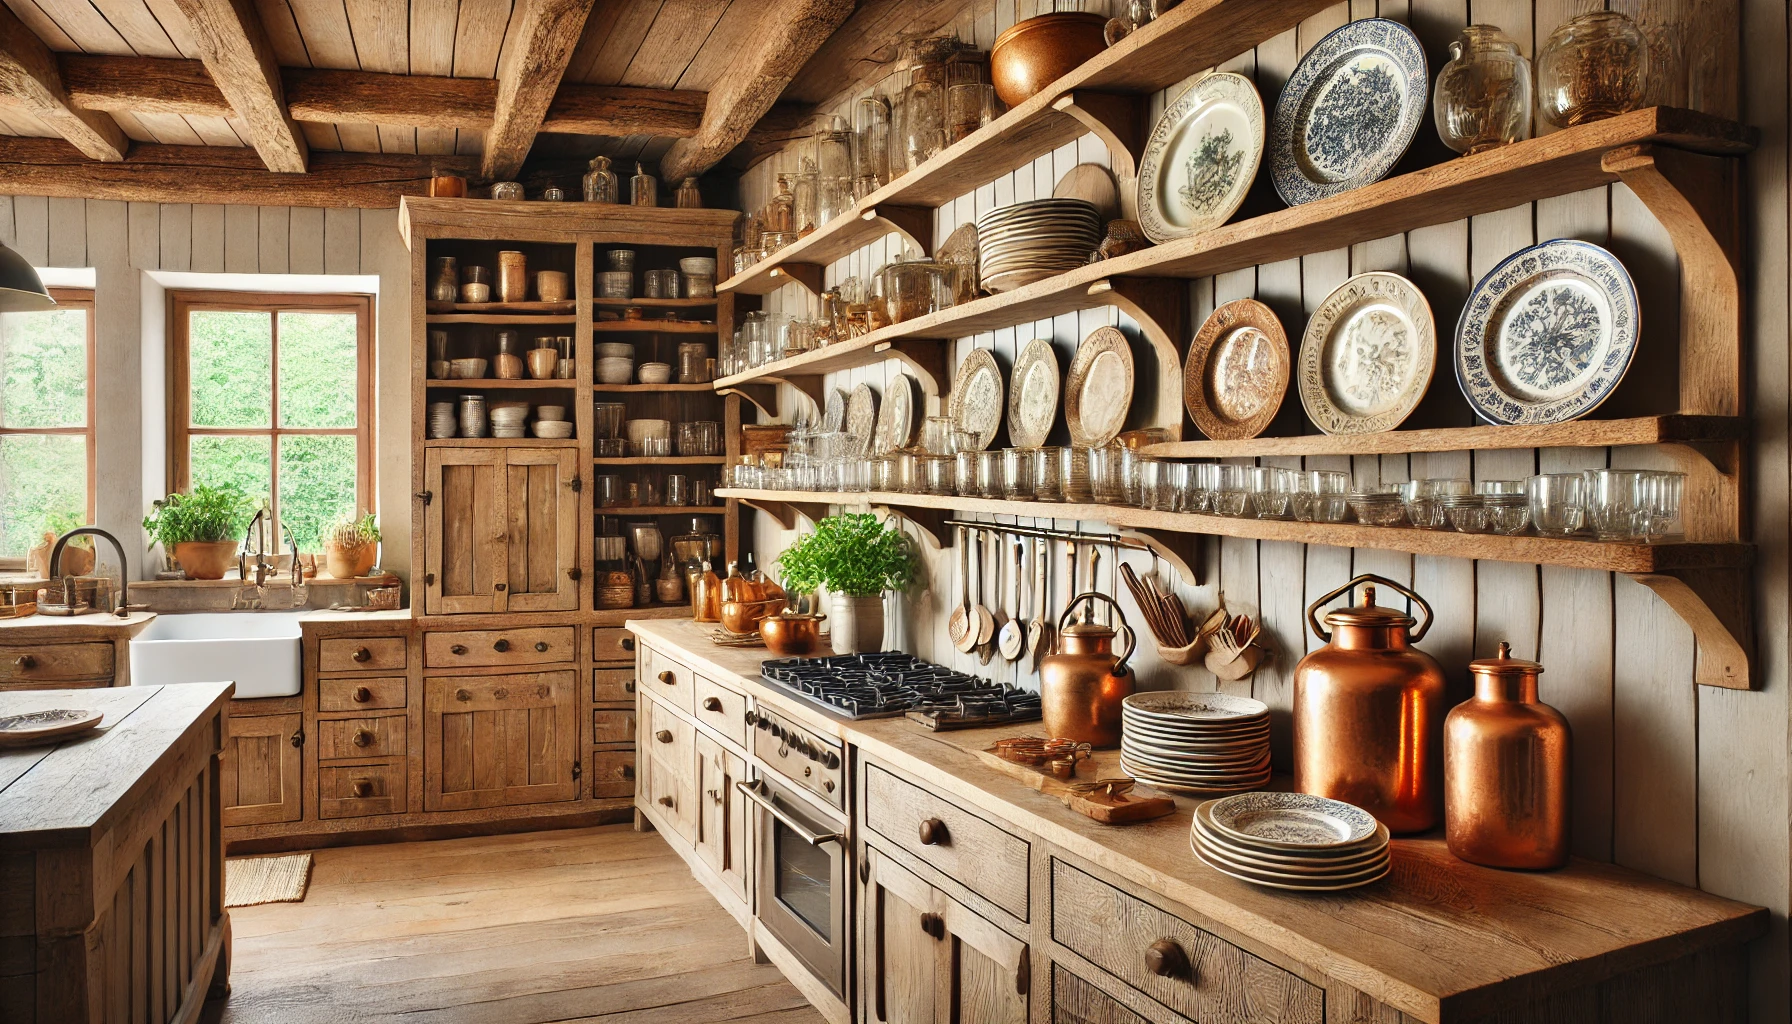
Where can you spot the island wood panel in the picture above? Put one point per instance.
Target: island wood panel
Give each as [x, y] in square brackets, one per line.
[1609, 667]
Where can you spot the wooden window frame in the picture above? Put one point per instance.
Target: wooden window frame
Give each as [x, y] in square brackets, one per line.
[181, 304]
[74, 298]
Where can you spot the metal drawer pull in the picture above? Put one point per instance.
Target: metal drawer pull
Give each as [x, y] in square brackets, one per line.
[933, 832]
[715, 795]
[361, 788]
[934, 925]
[712, 704]
[362, 695]
[756, 792]
[541, 647]
[628, 687]
[666, 801]
[457, 649]
[1165, 958]
[363, 738]
[501, 646]
[362, 654]
[664, 735]
[668, 678]
[26, 661]
[463, 694]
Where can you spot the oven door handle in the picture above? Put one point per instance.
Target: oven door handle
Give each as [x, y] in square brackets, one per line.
[756, 792]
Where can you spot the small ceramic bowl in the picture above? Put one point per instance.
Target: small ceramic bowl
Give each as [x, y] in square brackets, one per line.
[615, 350]
[655, 373]
[516, 431]
[612, 370]
[553, 428]
[550, 413]
[466, 369]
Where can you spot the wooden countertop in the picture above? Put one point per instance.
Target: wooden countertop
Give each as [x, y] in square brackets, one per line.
[91, 626]
[1438, 938]
[58, 795]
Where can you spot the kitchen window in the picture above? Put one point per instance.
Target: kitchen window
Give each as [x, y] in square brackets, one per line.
[46, 422]
[274, 394]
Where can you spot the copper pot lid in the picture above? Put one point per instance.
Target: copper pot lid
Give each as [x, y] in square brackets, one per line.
[1368, 613]
[1504, 664]
[1090, 630]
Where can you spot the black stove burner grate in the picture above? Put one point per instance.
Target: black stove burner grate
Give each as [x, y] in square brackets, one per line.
[891, 683]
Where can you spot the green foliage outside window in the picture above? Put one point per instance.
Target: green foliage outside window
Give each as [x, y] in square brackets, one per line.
[43, 385]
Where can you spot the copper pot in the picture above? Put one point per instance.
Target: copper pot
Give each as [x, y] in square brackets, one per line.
[744, 616]
[1368, 710]
[1037, 52]
[1506, 758]
[789, 635]
[1082, 685]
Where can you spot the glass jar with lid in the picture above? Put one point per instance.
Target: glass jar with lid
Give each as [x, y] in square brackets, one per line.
[832, 144]
[780, 213]
[915, 288]
[870, 145]
[1483, 96]
[600, 181]
[924, 99]
[1594, 66]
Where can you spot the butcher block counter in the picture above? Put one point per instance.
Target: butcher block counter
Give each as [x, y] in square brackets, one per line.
[111, 859]
[1438, 940]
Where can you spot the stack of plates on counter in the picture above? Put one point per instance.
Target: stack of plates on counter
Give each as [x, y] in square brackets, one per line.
[1291, 841]
[1035, 240]
[1195, 742]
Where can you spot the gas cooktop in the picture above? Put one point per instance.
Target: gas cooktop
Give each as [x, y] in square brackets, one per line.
[891, 683]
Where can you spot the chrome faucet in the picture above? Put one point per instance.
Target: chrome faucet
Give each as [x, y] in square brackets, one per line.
[125, 607]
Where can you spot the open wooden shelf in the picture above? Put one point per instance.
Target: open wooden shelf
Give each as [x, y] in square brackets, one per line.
[515, 319]
[1574, 434]
[563, 383]
[537, 308]
[662, 460]
[651, 388]
[617, 616]
[501, 442]
[652, 303]
[650, 327]
[624, 511]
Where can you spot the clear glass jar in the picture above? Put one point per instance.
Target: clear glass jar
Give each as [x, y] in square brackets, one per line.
[510, 191]
[870, 145]
[924, 100]
[964, 97]
[1594, 66]
[780, 212]
[1018, 465]
[600, 181]
[1483, 96]
[915, 288]
[805, 199]
[832, 144]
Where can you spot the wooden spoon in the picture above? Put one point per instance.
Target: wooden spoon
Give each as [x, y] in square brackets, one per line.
[959, 627]
[986, 621]
[1013, 640]
[1039, 631]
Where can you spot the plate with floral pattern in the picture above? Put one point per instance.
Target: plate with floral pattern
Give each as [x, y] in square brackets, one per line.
[1236, 373]
[1349, 111]
[1201, 158]
[975, 404]
[1368, 355]
[1291, 820]
[1548, 334]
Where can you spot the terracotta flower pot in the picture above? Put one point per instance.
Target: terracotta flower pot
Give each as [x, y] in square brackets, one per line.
[205, 559]
[370, 554]
[345, 563]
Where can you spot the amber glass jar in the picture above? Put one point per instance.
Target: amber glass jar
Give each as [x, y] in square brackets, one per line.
[1593, 67]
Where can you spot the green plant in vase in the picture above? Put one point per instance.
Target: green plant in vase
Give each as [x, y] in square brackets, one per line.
[203, 529]
[856, 558]
[351, 546]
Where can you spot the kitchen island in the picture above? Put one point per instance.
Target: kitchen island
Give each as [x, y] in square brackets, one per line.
[112, 859]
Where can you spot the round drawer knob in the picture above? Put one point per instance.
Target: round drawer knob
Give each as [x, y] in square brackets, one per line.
[361, 788]
[934, 925]
[362, 654]
[541, 647]
[26, 661]
[933, 832]
[501, 646]
[665, 801]
[664, 735]
[363, 738]
[712, 704]
[463, 694]
[628, 771]
[628, 687]
[458, 649]
[1164, 958]
[362, 695]
[668, 678]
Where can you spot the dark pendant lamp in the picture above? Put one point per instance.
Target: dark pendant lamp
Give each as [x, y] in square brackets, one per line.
[21, 290]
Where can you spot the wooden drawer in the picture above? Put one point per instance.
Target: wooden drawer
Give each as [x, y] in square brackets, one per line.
[357, 790]
[613, 685]
[1075, 1001]
[361, 737]
[610, 727]
[963, 847]
[46, 663]
[672, 772]
[670, 739]
[720, 709]
[611, 646]
[542, 645]
[612, 773]
[668, 680]
[361, 694]
[1218, 984]
[362, 654]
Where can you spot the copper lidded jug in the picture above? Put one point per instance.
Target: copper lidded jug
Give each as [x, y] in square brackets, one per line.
[1506, 760]
[1081, 686]
[1368, 711]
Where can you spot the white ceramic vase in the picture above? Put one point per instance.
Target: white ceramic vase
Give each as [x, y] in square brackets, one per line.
[856, 624]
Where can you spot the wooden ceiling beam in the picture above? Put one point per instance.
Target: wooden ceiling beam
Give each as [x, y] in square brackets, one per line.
[413, 101]
[141, 85]
[618, 110]
[529, 74]
[788, 34]
[31, 80]
[218, 174]
[234, 46]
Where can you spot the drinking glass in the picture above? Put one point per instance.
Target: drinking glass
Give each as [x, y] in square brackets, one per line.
[937, 474]
[906, 472]
[1073, 474]
[1047, 485]
[1170, 489]
[1662, 495]
[1106, 483]
[1558, 503]
[678, 489]
[609, 490]
[1271, 491]
[1378, 506]
[1467, 513]
[1017, 473]
[1203, 480]
[1132, 476]
[1422, 498]
[1232, 493]
[1320, 496]
[1614, 500]
[936, 435]
[964, 473]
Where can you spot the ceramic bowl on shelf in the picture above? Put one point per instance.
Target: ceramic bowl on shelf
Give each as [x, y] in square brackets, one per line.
[615, 370]
[615, 350]
[655, 373]
[557, 429]
[550, 412]
[466, 369]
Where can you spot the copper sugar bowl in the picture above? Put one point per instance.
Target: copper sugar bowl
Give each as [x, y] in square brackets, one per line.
[1368, 710]
[1081, 686]
[1506, 759]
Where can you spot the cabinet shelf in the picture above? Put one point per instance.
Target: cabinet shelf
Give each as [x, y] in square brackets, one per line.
[653, 303]
[624, 511]
[501, 442]
[1673, 429]
[515, 319]
[562, 383]
[652, 327]
[651, 388]
[563, 307]
[662, 460]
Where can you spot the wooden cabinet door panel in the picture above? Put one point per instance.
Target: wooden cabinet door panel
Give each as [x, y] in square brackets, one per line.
[259, 773]
[490, 741]
[722, 813]
[542, 516]
[464, 548]
[1075, 1001]
[902, 968]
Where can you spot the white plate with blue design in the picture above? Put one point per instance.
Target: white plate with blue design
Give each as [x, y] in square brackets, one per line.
[1291, 821]
[1201, 158]
[1548, 334]
[1349, 111]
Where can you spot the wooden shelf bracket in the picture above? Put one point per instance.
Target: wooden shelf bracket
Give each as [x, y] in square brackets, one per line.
[1718, 604]
[786, 512]
[1160, 307]
[914, 223]
[762, 394]
[1117, 119]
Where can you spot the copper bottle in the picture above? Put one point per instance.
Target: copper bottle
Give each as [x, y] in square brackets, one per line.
[1506, 760]
[1368, 711]
[1082, 685]
[706, 596]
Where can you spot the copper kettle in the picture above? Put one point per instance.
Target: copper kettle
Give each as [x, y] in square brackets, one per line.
[1368, 711]
[1081, 686]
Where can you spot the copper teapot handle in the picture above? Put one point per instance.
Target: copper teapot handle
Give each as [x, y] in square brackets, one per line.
[1132, 640]
[1414, 637]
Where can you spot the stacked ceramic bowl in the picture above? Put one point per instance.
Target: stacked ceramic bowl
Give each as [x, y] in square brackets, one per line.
[1291, 841]
[1198, 742]
[1032, 241]
[615, 362]
[507, 418]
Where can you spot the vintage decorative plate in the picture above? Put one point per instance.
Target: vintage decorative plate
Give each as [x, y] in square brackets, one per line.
[1092, 183]
[1236, 373]
[1349, 111]
[861, 419]
[1180, 705]
[833, 417]
[896, 420]
[1348, 858]
[960, 250]
[1098, 388]
[1033, 394]
[1368, 355]
[1201, 158]
[976, 401]
[1294, 821]
[1284, 880]
[34, 727]
[1548, 334]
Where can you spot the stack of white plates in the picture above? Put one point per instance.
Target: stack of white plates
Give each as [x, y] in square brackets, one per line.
[1032, 241]
[1291, 841]
[1201, 742]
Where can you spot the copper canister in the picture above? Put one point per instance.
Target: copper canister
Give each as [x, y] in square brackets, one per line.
[1368, 711]
[513, 276]
[1082, 686]
[1506, 760]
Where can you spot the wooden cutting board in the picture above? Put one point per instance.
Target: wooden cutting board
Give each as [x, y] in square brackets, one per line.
[1137, 804]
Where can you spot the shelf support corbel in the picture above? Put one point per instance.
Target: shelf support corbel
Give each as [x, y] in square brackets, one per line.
[806, 274]
[926, 357]
[1718, 604]
[1160, 307]
[912, 222]
[808, 383]
[762, 394]
[1117, 119]
[1181, 550]
[786, 512]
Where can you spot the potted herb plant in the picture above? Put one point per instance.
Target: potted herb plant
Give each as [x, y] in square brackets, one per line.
[77, 556]
[856, 558]
[202, 530]
[351, 546]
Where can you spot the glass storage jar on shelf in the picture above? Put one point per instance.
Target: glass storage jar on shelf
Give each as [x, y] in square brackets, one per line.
[915, 288]
[832, 144]
[1593, 67]
[805, 199]
[600, 182]
[966, 75]
[924, 99]
[1483, 96]
[870, 145]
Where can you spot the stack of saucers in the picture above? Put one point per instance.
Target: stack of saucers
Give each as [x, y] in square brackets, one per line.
[1198, 742]
[1291, 841]
[1032, 241]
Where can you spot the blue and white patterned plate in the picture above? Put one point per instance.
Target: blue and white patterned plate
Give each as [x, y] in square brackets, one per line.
[1291, 820]
[1349, 111]
[1548, 334]
[1201, 158]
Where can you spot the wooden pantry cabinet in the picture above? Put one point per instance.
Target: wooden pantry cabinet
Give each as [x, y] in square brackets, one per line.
[502, 530]
[499, 740]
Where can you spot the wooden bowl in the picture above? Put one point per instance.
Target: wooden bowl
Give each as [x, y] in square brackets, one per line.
[1039, 51]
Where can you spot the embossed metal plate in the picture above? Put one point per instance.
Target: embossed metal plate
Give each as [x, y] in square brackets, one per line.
[1033, 394]
[1236, 373]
